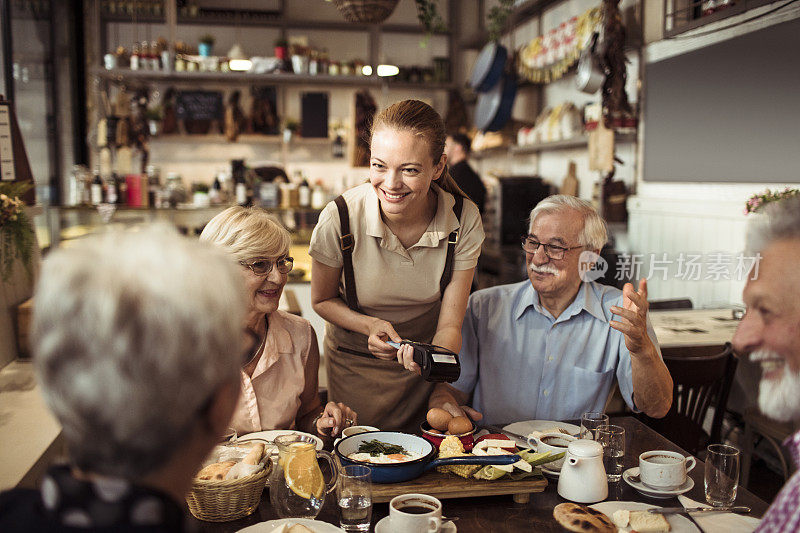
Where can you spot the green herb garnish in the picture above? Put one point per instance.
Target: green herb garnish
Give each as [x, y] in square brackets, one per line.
[375, 447]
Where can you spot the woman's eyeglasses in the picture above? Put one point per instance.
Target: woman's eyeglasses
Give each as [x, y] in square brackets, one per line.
[262, 267]
[550, 250]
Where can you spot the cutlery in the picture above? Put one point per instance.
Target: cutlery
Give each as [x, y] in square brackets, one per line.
[682, 510]
[495, 429]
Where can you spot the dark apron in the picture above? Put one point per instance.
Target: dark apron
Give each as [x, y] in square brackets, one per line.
[383, 393]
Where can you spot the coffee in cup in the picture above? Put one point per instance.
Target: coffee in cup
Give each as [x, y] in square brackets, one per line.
[554, 443]
[415, 513]
[665, 470]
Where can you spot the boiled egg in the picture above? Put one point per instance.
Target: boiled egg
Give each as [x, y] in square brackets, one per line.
[459, 425]
[439, 419]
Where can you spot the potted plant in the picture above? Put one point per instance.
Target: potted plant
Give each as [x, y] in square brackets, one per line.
[290, 127]
[200, 196]
[206, 45]
[154, 115]
[17, 238]
[281, 47]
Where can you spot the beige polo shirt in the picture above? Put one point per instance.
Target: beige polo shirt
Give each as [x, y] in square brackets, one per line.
[392, 282]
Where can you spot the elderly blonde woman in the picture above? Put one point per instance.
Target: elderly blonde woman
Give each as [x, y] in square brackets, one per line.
[279, 383]
[132, 337]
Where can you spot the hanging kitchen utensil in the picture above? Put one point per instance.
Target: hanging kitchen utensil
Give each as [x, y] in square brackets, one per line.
[590, 76]
[494, 107]
[488, 67]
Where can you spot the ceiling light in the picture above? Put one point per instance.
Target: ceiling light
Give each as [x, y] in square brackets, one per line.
[366, 70]
[388, 70]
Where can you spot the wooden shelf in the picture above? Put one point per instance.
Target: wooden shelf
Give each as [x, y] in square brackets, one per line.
[275, 78]
[577, 142]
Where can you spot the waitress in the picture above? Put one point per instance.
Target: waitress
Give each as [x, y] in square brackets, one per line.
[393, 259]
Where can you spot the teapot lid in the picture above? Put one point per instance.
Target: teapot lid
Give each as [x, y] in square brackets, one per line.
[585, 448]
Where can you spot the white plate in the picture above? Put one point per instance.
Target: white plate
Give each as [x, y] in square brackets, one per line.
[271, 434]
[383, 526]
[317, 526]
[527, 426]
[678, 523]
[650, 491]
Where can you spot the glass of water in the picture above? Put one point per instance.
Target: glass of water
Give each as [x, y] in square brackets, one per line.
[722, 474]
[589, 424]
[613, 440]
[354, 497]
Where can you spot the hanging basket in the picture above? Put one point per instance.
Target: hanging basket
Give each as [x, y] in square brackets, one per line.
[366, 11]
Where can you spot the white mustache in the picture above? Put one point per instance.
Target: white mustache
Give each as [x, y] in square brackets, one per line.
[544, 269]
[764, 355]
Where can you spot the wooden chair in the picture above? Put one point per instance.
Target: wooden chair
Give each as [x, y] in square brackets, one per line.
[699, 383]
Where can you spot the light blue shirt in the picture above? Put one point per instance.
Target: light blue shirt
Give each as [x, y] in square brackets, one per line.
[523, 364]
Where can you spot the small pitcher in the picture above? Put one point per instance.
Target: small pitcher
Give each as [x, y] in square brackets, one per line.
[297, 488]
[583, 476]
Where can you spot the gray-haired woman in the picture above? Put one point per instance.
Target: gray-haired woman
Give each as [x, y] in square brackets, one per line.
[280, 382]
[131, 342]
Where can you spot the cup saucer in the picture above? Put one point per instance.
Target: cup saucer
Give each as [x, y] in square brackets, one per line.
[384, 526]
[651, 492]
[555, 474]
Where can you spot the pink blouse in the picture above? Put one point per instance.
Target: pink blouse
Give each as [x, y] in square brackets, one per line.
[284, 380]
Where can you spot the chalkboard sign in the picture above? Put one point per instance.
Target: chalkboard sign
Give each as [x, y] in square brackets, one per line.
[199, 105]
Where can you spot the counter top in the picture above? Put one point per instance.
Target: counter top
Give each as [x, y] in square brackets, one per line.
[29, 434]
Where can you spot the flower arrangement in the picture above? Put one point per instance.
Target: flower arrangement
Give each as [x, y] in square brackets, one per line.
[16, 231]
[757, 201]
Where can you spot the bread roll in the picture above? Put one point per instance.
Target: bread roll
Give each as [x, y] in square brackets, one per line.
[254, 457]
[583, 519]
[215, 471]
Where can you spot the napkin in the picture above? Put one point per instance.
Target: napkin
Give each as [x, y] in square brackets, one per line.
[720, 522]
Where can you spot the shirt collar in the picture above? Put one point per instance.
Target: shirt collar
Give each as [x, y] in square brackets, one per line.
[444, 221]
[586, 299]
[277, 343]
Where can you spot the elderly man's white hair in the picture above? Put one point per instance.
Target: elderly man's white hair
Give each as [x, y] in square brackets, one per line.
[133, 333]
[594, 233]
[782, 222]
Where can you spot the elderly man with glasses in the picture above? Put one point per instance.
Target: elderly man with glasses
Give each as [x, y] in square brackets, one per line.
[550, 347]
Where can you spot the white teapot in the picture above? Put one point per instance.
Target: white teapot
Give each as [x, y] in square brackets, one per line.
[583, 476]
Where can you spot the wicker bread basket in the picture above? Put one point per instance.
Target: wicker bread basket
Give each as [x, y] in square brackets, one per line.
[222, 501]
[366, 11]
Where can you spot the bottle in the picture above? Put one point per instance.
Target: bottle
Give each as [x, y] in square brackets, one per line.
[318, 196]
[112, 194]
[215, 194]
[240, 186]
[153, 186]
[96, 189]
[122, 189]
[135, 57]
[304, 194]
[337, 148]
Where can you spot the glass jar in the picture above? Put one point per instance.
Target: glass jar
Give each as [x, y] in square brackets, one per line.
[297, 488]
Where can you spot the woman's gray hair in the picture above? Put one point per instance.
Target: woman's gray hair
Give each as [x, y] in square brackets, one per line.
[133, 333]
[594, 234]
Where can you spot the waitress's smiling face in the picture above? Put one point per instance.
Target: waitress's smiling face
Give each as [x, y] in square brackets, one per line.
[402, 169]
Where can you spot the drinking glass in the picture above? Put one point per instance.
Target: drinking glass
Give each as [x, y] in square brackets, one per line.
[589, 424]
[354, 497]
[613, 440]
[722, 474]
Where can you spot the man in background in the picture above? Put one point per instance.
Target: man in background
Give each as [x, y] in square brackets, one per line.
[770, 334]
[457, 148]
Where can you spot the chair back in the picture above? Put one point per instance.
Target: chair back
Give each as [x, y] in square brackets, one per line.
[699, 383]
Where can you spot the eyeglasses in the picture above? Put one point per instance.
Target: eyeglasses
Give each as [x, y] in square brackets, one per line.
[550, 250]
[262, 267]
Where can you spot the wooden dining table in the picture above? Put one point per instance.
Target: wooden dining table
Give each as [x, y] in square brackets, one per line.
[502, 514]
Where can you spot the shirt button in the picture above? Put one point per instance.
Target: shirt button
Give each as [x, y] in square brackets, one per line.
[546, 392]
[550, 358]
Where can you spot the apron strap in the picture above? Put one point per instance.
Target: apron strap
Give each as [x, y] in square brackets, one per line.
[347, 242]
[452, 240]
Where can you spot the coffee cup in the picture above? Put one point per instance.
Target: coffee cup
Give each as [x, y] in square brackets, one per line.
[662, 469]
[554, 443]
[415, 513]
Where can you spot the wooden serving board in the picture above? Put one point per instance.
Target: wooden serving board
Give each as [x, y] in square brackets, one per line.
[452, 486]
